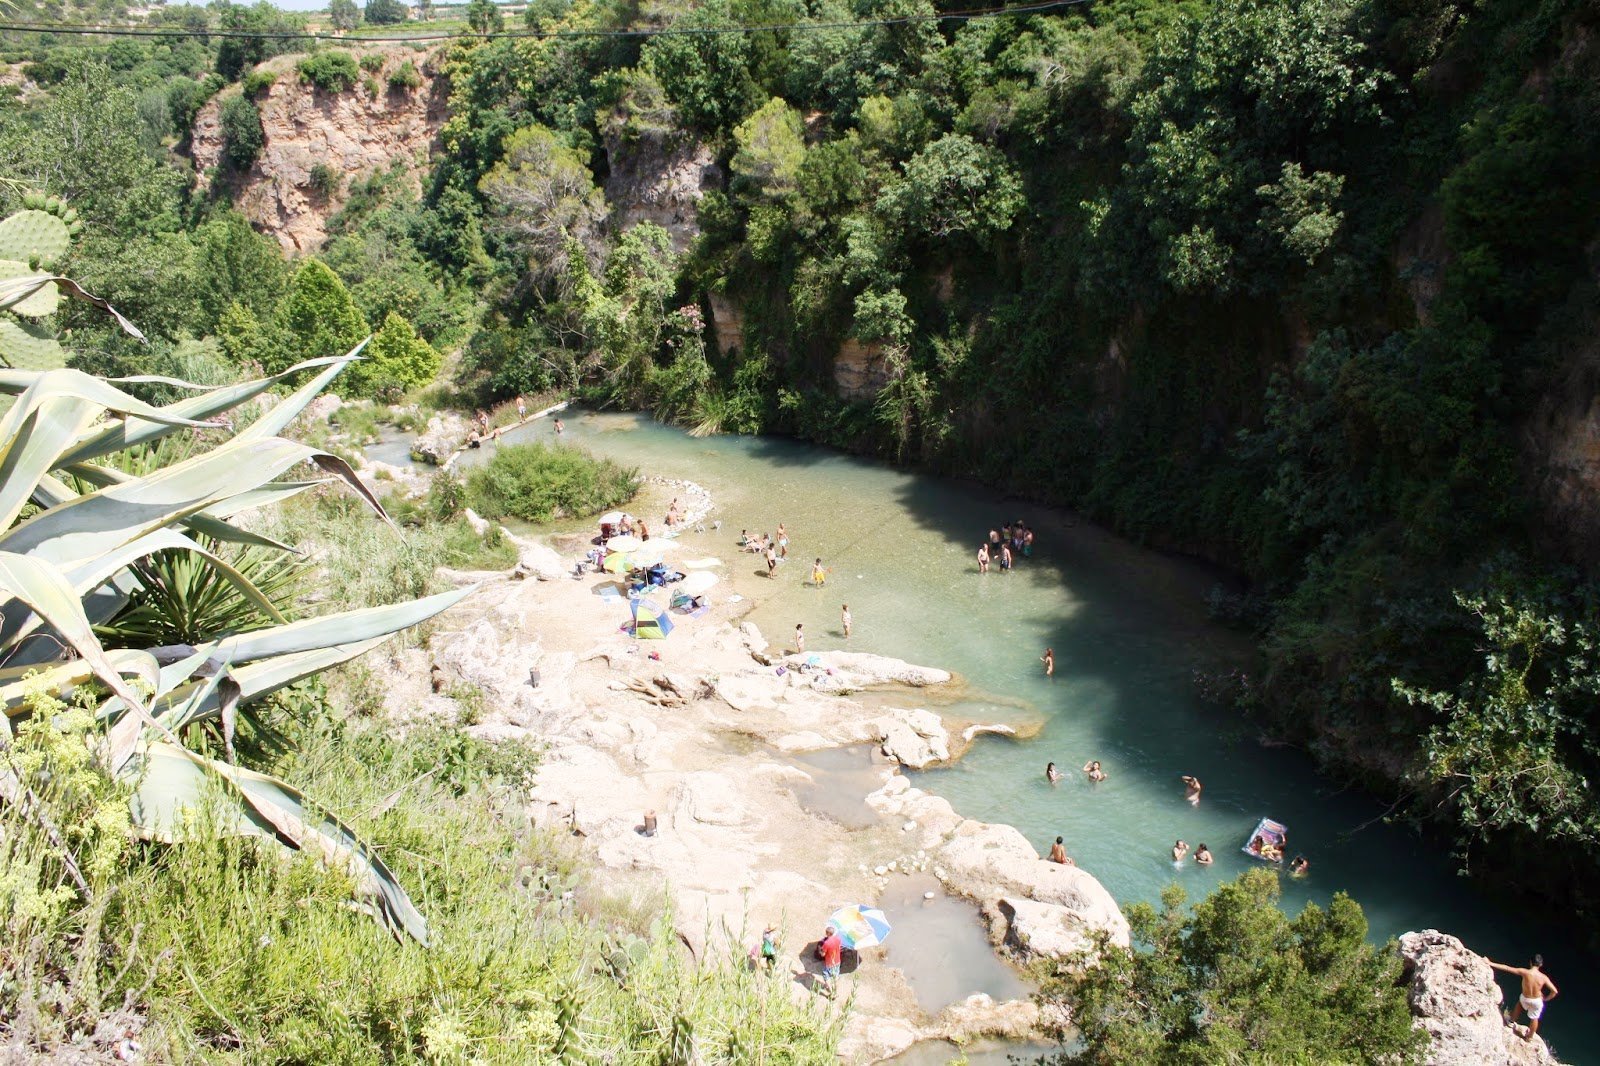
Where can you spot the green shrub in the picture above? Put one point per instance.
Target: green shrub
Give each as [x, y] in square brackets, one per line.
[372, 62]
[242, 136]
[405, 77]
[332, 72]
[372, 87]
[326, 180]
[537, 482]
[257, 82]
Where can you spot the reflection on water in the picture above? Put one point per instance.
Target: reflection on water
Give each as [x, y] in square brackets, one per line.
[980, 1053]
[942, 947]
[1129, 630]
[841, 779]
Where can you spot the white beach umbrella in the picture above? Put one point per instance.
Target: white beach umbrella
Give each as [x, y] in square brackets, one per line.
[625, 543]
[610, 518]
[698, 582]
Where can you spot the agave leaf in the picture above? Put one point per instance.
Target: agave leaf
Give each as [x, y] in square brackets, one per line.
[171, 787]
[276, 492]
[346, 627]
[16, 291]
[51, 493]
[99, 522]
[26, 291]
[32, 435]
[46, 590]
[273, 422]
[257, 680]
[18, 682]
[119, 435]
[66, 382]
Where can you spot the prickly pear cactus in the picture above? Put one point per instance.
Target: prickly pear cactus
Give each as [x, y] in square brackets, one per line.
[32, 242]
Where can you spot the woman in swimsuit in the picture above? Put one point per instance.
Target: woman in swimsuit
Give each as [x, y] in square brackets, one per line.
[1051, 774]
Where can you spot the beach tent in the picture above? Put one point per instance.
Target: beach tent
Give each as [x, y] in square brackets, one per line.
[649, 621]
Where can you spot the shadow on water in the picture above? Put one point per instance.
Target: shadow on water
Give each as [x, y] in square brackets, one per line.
[979, 1053]
[1129, 629]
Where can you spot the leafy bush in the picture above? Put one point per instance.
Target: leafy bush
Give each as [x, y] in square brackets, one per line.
[372, 62]
[538, 482]
[405, 77]
[1236, 980]
[257, 82]
[242, 136]
[373, 88]
[385, 12]
[396, 361]
[325, 179]
[332, 72]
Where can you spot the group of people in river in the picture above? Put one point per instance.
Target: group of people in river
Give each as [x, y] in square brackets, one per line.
[1005, 546]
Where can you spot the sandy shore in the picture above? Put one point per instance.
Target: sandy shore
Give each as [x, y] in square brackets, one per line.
[700, 737]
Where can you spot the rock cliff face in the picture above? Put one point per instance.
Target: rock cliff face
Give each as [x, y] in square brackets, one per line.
[1455, 998]
[353, 132]
[659, 176]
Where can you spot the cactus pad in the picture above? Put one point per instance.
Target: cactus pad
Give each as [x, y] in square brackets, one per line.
[37, 304]
[26, 346]
[33, 234]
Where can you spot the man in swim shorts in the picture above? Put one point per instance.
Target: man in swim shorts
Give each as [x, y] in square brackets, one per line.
[831, 952]
[1537, 990]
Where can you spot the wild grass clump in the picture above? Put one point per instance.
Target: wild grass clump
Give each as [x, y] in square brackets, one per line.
[538, 482]
[229, 944]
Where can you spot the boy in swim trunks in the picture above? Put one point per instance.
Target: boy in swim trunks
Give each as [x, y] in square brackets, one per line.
[1537, 990]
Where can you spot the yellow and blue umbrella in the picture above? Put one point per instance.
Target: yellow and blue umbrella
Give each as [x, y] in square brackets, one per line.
[860, 926]
[617, 563]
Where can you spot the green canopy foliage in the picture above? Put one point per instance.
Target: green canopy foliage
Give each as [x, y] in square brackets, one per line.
[1236, 980]
[317, 315]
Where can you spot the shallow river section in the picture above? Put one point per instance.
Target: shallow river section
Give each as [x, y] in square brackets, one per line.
[1129, 631]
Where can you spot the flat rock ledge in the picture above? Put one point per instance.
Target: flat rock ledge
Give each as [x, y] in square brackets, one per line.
[1455, 998]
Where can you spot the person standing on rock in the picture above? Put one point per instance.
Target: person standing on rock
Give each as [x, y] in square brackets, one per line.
[831, 952]
[522, 409]
[772, 562]
[983, 558]
[783, 542]
[799, 638]
[1537, 990]
[844, 618]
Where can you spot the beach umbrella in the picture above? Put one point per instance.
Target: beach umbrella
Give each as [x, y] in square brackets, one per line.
[649, 553]
[698, 582]
[617, 563]
[625, 543]
[860, 926]
[611, 518]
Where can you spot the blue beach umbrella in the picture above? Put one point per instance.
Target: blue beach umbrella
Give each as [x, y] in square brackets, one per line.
[860, 926]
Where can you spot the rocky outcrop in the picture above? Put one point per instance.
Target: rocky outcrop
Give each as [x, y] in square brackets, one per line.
[439, 440]
[1456, 999]
[727, 323]
[860, 370]
[353, 132]
[915, 738]
[658, 175]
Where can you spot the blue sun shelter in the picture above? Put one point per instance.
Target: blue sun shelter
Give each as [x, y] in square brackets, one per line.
[649, 621]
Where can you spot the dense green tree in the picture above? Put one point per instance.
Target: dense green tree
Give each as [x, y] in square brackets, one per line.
[255, 33]
[541, 197]
[385, 12]
[317, 316]
[1236, 980]
[484, 16]
[80, 145]
[955, 186]
[395, 361]
[242, 135]
[771, 149]
[344, 14]
[706, 76]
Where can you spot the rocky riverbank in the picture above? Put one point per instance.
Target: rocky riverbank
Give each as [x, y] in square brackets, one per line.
[700, 738]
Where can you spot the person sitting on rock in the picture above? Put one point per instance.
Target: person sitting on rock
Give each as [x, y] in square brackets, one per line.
[1058, 853]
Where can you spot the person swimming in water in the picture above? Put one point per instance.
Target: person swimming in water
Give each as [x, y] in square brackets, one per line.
[1092, 768]
[1179, 850]
[1051, 774]
[1202, 855]
[1191, 790]
[1298, 866]
[1049, 660]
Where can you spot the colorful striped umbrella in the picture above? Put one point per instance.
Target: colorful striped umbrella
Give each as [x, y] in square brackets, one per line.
[617, 563]
[860, 926]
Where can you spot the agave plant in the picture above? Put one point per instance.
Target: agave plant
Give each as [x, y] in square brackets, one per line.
[83, 539]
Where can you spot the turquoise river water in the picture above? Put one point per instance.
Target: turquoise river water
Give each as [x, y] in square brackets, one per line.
[1129, 630]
